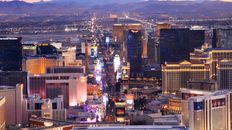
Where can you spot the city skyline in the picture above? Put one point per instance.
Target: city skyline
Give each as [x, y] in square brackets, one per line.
[116, 64]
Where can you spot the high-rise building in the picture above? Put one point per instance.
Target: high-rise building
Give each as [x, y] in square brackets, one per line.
[66, 69]
[133, 42]
[210, 56]
[73, 86]
[3, 113]
[151, 46]
[204, 85]
[14, 103]
[12, 78]
[68, 55]
[29, 49]
[46, 49]
[38, 65]
[177, 75]
[144, 44]
[224, 73]
[45, 108]
[216, 55]
[199, 55]
[156, 40]
[185, 94]
[160, 26]
[176, 44]
[118, 37]
[222, 38]
[134, 50]
[10, 54]
[211, 112]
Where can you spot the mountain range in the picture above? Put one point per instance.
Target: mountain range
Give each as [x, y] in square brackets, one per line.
[148, 8]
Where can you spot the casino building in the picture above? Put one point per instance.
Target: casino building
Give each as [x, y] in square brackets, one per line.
[211, 112]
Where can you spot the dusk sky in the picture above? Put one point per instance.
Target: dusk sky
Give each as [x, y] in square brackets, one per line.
[30, 1]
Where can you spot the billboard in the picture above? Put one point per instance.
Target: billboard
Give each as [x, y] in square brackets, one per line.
[218, 102]
[198, 105]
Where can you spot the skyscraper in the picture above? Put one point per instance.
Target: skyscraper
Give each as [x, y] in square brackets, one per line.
[214, 56]
[224, 74]
[211, 112]
[46, 49]
[14, 102]
[222, 38]
[151, 46]
[2, 111]
[177, 75]
[12, 78]
[176, 44]
[38, 65]
[73, 86]
[10, 54]
[118, 37]
[134, 50]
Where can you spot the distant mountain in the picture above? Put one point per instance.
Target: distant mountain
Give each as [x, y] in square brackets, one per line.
[99, 2]
[190, 9]
[40, 8]
[150, 8]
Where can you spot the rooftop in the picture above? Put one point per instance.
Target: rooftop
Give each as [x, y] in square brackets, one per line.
[140, 127]
[6, 87]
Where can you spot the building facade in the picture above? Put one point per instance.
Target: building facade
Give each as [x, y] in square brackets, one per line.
[72, 86]
[12, 78]
[214, 57]
[10, 54]
[38, 65]
[14, 103]
[211, 112]
[222, 38]
[134, 50]
[44, 108]
[3, 113]
[176, 75]
[224, 68]
[176, 44]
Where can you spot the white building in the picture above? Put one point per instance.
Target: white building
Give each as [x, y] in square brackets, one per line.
[3, 113]
[224, 73]
[73, 86]
[14, 101]
[45, 108]
[211, 112]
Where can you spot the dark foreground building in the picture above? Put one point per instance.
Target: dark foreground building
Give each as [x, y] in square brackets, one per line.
[176, 44]
[11, 78]
[134, 50]
[10, 54]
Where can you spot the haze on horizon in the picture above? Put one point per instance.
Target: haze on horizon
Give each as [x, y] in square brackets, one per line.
[29, 1]
[32, 1]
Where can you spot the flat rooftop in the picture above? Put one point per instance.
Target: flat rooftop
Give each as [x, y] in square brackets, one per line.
[134, 127]
[7, 87]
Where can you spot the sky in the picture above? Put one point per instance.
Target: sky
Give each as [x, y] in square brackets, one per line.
[29, 1]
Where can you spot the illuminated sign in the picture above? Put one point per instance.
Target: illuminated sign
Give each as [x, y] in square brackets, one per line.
[185, 96]
[120, 104]
[120, 119]
[198, 105]
[93, 51]
[130, 102]
[218, 102]
[9, 38]
[43, 44]
[134, 31]
[120, 112]
[107, 40]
